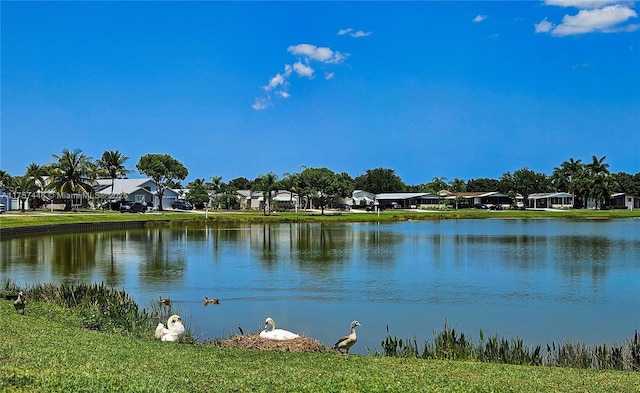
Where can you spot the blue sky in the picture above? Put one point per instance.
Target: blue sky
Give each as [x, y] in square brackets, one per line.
[447, 89]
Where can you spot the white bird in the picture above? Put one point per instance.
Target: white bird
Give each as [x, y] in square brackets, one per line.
[174, 332]
[347, 342]
[276, 334]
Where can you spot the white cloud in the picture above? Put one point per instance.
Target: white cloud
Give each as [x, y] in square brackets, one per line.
[279, 84]
[354, 34]
[582, 4]
[594, 16]
[303, 70]
[274, 82]
[361, 33]
[278, 79]
[322, 54]
[598, 20]
[260, 104]
[479, 18]
[543, 27]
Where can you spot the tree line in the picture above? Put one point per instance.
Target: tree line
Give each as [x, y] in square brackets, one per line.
[72, 172]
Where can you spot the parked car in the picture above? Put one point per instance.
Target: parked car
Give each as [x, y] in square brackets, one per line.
[181, 205]
[480, 206]
[395, 205]
[133, 207]
[372, 208]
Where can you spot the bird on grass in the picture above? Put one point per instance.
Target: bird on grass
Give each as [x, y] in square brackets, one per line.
[174, 332]
[346, 342]
[276, 334]
[19, 303]
[208, 300]
[166, 301]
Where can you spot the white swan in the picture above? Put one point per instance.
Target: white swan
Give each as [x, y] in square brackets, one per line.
[174, 331]
[347, 342]
[276, 334]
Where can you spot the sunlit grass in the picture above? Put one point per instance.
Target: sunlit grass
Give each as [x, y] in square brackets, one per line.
[48, 350]
[40, 217]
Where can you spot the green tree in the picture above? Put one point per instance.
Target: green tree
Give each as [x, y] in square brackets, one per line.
[627, 183]
[457, 185]
[112, 164]
[267, 184]
[164, 170]
[240, 183]
[563, 178]
[436, 185]
[483, 184]
[290, 182]
[24, 188]
[525, 182]
[197, 195]
[601, 183]
[379, 180]
[70, 173]
[324, 184]
[38, 174]
[216, 184]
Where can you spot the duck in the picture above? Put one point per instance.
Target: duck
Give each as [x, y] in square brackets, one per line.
[19, 303]
[346, 342]
[208, 300]
[166, 301]
[276, 334]
[174, 332]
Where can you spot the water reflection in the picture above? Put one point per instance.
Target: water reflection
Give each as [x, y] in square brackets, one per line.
[479, 273]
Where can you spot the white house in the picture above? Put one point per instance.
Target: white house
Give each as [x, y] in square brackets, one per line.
[554, 200]
[623, 199]
[135, 190]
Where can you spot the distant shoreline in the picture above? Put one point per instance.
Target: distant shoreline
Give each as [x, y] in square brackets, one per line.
[29, 223]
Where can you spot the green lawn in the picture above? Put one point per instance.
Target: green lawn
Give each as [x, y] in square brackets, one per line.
[46, 350]
[43, 217]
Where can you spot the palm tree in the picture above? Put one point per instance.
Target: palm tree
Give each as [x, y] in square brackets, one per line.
[112, 163]
[69, 175]
[600, 184]
[24, 187]
[569, 177]
[266, 184]
[37, 173]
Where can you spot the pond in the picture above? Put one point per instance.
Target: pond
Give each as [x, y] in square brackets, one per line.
[541, 280]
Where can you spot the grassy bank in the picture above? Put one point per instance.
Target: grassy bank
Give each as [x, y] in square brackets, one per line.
[48, 350]
[30, 218]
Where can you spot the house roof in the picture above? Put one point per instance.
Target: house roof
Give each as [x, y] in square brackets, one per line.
[121, 186]
[405, 195]
[130, 186]
[542, 195]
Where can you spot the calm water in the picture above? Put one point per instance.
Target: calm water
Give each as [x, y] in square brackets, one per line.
[540, 280]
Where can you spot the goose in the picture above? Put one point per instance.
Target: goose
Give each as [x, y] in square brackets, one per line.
[19, 303]
[346, 342]
[166, 301]
[276, 334]
[212, 300]
[173, 332]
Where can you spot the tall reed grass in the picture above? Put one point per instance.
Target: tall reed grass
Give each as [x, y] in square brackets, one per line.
[100, 307]
[452, 345]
